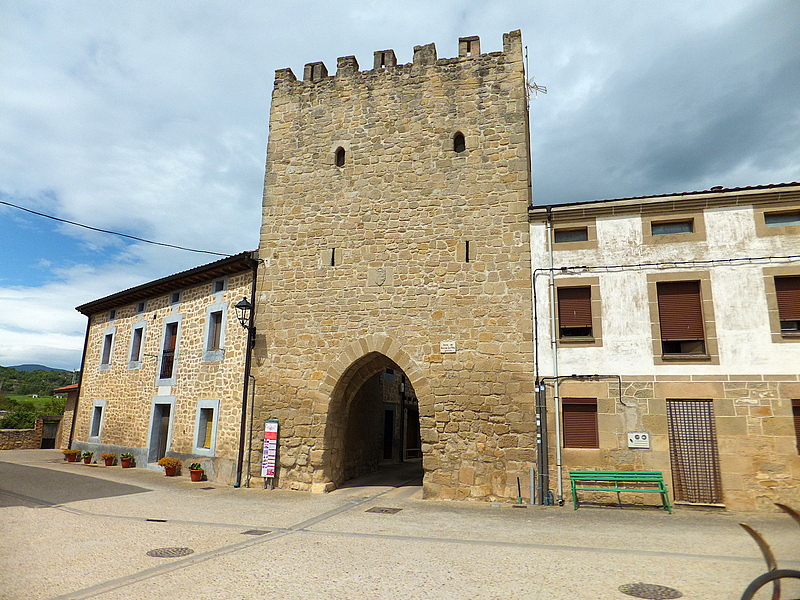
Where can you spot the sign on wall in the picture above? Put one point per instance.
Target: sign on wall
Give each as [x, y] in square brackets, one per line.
[270, 449]
[638, 439]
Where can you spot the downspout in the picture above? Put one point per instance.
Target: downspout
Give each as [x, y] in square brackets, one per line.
[80, 380]
[542, 461]
[251, 331]
[554, 351]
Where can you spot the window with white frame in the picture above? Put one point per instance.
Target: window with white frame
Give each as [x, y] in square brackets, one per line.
[96, 425]
[215, 333]
[169, 352]
[205, 438]
[137, 346]
[107, 351]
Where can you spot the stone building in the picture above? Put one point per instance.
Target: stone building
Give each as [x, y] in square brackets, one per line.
[395, 250]
[164, 369]
[676, 317]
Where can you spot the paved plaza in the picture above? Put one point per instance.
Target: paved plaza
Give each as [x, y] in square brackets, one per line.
[72, 531]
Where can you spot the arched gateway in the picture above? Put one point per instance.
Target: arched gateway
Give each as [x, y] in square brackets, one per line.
[373, 419]
[399, 278]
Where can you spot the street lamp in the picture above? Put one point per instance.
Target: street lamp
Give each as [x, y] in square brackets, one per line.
[243, 311]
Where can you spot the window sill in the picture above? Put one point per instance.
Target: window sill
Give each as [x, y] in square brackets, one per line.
[104, 367]
[577, 340]
[685, 357]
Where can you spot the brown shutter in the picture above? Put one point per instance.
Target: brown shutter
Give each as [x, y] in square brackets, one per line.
[796, 415]
[788, 291]
[680, 311]
[574, 307]
[580, 422]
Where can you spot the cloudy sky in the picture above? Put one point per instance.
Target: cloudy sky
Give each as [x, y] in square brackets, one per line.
[151, 118]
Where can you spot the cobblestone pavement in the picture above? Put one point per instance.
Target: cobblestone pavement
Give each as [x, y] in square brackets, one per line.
[72, 531]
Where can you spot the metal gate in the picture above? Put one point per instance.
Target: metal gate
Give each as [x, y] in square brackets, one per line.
[693, 451]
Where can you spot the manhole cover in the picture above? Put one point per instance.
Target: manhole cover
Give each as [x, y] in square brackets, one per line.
[648, 590]
[170, 552]
[255, 532]
[385, 510]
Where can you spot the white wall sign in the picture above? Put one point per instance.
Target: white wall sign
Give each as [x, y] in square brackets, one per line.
[270, 449]
[447, 347]
[638, 439]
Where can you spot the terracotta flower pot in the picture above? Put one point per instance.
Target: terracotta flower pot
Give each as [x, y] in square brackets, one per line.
[109, 461]
[125, 462]
[196, 474]
[170, 471]
[87, 460]
[72, 457]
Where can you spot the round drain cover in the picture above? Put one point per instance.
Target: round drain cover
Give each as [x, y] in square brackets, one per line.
[648, 590]
[175, 552]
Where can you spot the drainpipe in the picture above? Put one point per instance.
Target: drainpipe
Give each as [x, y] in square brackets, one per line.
[251, 338]
[80, 380]
[554, 351]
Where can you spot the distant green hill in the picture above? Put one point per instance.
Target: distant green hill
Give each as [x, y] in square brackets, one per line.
[36, 368]
[43, 381]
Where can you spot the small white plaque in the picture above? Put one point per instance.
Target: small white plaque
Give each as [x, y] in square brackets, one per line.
[447, 347]
[638, 439]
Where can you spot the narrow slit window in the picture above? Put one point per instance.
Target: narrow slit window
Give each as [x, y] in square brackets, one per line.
[333, 257]
[108, 342]
[466, 251]
[168, 353]
[459, 143]
[136, 345]
[215, 330]
[339, 157]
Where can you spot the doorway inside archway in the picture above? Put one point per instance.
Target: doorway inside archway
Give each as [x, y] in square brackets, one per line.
[380, 432]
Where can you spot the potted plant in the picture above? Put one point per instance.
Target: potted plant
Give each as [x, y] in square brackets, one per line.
[71, 454]
[170, 465]
[196, 471]
[87, 457]
[108, 457]
[125, 459]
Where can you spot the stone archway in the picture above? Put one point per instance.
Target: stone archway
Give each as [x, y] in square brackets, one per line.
[374, 410]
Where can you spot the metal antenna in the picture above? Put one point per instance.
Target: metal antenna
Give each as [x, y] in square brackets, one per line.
[530, 84]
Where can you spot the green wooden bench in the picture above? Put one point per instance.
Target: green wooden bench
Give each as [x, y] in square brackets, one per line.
[619, 481]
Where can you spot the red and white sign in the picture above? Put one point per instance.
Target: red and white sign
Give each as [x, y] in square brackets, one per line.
[270, 449]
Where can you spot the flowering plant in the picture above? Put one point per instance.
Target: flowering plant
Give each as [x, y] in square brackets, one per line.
[105, 455]
[71, 451]
[168, 461]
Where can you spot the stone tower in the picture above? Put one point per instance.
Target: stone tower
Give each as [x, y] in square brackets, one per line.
[394, 301]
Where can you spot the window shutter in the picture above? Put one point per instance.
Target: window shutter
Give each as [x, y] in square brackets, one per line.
[574, 307]
[796, 415]
[580, 422]
[788, 292]
[680, 310]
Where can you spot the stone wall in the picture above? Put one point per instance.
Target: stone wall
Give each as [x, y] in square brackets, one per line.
[22, 439]
[130, 390]
[408, 244]
[759, 460]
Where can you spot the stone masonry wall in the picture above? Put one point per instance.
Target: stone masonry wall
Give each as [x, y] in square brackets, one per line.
[408, 244]
[129, 392]
[759, 461]
[22, 439]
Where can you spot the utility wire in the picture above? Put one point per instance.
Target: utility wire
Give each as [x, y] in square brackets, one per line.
[125, 235]
[677, 264]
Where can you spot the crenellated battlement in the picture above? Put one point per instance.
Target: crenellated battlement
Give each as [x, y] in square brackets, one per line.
[469, 49]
